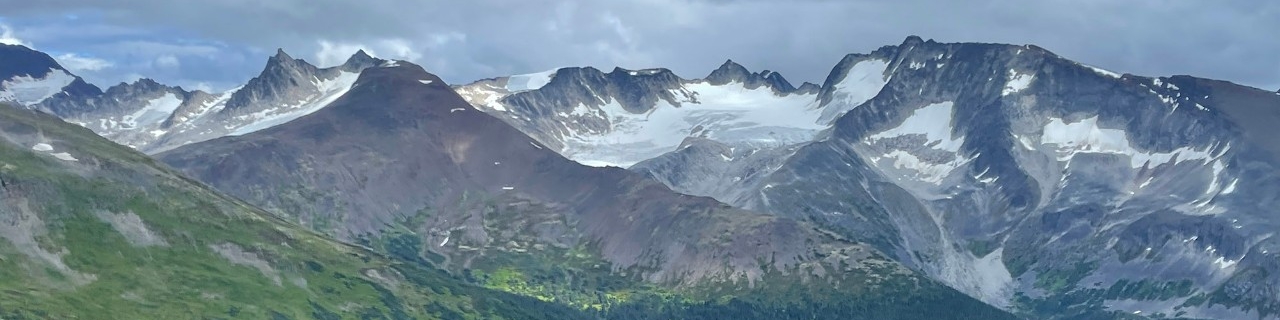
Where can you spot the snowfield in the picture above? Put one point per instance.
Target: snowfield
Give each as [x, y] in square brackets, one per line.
[864, 80]
[532, 81]
[27, 90]
[921, 161]
[729, 113]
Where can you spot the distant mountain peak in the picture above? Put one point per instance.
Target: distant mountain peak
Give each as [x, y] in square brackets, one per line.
[282, 79]
[145, 81]
[141, 85]
[359, 61]
[281, 55]
[729, 71]
[912, 40]
[776, 81]
[808, 88]
[642, 72]
[732, 67]
[360, 55]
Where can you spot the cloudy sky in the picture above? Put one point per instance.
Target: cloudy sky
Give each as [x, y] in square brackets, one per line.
[217, 44]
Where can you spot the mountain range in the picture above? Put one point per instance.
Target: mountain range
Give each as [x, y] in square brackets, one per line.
[383, 171]
[1032, 183]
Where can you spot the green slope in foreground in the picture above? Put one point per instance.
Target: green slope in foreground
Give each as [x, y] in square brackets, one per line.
[112, 235]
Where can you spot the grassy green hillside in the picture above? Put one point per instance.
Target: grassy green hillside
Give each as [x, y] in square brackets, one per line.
[111, 235]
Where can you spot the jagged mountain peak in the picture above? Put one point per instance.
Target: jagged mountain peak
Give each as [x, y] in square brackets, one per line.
[139, 86]
[777, 82]
[283, 79]
[912, 40]
[359, 61]
[731, 72]
[808, 88]
[282, 60]
[141, 83]
[728, 72]
[281, 55]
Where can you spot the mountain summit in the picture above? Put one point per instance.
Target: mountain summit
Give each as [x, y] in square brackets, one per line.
[730, 72]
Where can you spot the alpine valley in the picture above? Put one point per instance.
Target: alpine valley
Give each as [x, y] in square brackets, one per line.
[922, 180]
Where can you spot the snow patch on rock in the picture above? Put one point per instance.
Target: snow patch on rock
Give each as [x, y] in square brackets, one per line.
[29, 90]
[1102, 71]
[1017, 82]
[729, 114]
[64, 156]
[863, 82]
[930, 161]
[599, 132]
[1085, 136]
[153, 113]
[532, 81]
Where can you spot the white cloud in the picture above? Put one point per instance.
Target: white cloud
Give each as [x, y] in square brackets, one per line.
[441, 39]
[131, 77]
[334, 53]
[77, 63]
[331, 53]
[167, 61]
[203, 86]
[400, 49]
[7, 37]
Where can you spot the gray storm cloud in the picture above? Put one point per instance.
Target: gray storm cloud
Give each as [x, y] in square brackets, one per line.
[467, 40]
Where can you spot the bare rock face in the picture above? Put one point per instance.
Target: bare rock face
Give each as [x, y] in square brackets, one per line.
[1008, 171]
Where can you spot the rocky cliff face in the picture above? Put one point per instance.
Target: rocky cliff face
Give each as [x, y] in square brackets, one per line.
[1022, 177]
